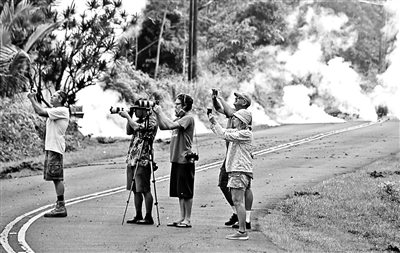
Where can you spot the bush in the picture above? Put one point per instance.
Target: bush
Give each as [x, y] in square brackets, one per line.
[19, 137]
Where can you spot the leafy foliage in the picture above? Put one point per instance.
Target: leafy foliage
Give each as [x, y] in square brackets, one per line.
[81, 56]
[368, 19]
[268, 19]
[128, 82]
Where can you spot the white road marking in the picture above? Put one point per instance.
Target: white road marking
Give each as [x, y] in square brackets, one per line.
[22, 232]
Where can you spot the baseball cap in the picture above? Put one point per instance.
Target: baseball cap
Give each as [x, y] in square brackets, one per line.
[245, 96]
[244, 116]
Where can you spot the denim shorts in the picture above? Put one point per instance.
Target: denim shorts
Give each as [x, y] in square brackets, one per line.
[53, 166]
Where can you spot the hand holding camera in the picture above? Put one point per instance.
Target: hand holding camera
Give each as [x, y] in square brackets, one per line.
[123, 114]
[157, 109]
[214, 93]
[32, 94]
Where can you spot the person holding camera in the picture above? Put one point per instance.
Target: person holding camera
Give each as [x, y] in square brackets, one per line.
[238, 163]
[56, 126]
[181, 156]
[138, 170]
[242, 101]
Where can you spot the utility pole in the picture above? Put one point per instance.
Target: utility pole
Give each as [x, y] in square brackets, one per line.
[192, 68]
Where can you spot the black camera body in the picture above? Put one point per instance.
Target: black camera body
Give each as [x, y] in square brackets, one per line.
[141, 108]
[192, 156]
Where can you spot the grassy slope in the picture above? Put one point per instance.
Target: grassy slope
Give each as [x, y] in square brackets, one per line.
[353, 212]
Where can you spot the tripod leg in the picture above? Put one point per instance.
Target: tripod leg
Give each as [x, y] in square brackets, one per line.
[129, 197]
[130, 191]
[155, 191]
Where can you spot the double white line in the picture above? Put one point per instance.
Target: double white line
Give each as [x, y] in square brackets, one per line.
[4, 240]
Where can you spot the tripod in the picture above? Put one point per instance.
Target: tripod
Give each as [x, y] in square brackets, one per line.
[147, 143]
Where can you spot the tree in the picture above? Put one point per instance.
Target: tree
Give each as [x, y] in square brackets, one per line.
[173, 37]
[368, 20]
[80, 53]
[268, 19]
[20, 28]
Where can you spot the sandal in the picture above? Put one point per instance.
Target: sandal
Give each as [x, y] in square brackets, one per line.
[183, 225]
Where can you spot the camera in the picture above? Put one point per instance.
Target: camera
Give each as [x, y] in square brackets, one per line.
[141, 108]
[192, 156]
[214, 92]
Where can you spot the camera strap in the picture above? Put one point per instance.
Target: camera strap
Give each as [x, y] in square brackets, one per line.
[195, 136]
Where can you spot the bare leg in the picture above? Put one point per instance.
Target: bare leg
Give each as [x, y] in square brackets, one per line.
[182, 209]
[248, 200]
[148, 202]
[238, 200]
[138, 198]
[227, 194]
[59, 185]
[188, 209]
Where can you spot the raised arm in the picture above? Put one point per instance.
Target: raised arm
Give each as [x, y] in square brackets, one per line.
[36, 106]
[163, 121]
[228, 111]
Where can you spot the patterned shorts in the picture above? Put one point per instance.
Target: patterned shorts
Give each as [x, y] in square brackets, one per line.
[238, 180]
[53, 166]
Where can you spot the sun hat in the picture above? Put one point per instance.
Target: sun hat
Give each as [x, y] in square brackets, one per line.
[244, 116]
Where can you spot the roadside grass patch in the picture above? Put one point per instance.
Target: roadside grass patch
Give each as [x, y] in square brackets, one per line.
[352, 212]
[87, 152]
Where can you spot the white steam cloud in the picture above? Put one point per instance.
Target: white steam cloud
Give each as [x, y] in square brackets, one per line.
[298, 84]
[305, 81]
[388, 92]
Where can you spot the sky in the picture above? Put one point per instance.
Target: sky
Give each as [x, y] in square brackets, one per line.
[335, 83]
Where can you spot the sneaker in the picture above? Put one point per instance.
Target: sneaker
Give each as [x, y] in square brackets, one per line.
[238, 236]
[232, 220]
[248, 225]
[135, 220]
[146, 221]
[58, 211]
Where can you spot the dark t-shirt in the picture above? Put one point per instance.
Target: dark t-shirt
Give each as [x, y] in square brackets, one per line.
[181, 140]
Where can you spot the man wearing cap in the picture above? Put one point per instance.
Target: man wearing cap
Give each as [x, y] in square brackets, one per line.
[238, 163]
[242, 101]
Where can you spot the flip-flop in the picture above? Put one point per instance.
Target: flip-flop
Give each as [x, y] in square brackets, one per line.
[173, 224]
[183, 225]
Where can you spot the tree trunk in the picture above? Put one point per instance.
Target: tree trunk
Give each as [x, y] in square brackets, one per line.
[159, 43]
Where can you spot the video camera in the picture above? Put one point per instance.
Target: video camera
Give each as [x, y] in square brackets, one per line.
[141, 108]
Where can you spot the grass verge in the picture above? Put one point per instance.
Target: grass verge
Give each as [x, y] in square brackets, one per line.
[354, 212]
[87, 152]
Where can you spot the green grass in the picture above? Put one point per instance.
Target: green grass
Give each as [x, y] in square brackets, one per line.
[353, 212]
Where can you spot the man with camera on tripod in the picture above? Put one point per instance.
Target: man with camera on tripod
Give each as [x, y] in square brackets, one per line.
[181, 156]
[139, 157]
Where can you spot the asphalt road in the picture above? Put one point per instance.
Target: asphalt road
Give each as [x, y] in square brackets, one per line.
[288, 158]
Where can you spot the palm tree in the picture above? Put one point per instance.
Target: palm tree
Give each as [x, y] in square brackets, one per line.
[15, 62]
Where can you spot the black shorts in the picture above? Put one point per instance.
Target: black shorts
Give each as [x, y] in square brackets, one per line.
[53, 166]
[182, 180]
[223, 176]
[142, 178]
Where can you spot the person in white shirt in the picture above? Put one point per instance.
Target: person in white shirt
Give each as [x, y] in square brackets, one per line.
[238, 163]
[56, 126]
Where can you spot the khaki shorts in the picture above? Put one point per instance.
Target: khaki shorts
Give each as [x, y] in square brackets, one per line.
[53, 166]
[238, 180]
